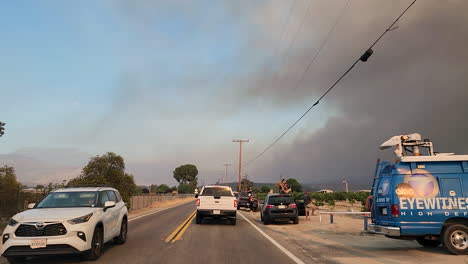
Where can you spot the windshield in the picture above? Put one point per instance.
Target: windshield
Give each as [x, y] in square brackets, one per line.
[69, 199]
[217, 191]
[280, 200]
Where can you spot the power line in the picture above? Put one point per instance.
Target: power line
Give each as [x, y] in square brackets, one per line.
[299, 29]
[277, 49]
[364, 57]
[322, 45]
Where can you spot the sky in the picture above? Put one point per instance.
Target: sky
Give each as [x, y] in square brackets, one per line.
[166, 83]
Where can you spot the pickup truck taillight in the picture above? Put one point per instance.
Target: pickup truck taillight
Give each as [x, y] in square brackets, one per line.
[235, 203]
[198, 202]
[293, 205]
[395, 209]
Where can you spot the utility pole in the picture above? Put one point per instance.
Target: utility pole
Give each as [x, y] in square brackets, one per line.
[346, 184]
[226, 175]
[240, 161]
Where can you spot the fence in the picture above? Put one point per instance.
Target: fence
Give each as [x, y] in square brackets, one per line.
[145, 201]
[16, 201]
[365, 214]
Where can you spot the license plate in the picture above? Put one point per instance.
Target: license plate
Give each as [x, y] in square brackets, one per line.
[39, 243]
[384, 211]
[216, 212]
[282, 206]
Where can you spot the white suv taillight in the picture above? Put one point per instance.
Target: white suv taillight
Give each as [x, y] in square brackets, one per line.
[235, 203]
[198, 202]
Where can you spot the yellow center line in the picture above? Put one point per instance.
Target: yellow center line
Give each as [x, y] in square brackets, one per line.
[179, 228]
[179, 236]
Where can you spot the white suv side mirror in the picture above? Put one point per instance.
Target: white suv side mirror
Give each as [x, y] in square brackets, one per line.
[31, 205]
[109, 204]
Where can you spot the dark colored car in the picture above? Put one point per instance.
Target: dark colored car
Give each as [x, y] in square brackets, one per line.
[300, 207]
[243, 201]
[279, 207]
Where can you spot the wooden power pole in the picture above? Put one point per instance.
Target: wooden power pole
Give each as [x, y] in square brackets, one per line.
[240, 161]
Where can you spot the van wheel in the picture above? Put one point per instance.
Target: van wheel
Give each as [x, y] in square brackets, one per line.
[96, 245]
[428, 243]
[233, 221]
[122, 238]
[198, 219]
[455, 239]
[15, 260]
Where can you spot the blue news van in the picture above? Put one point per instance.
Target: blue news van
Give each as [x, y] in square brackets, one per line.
[421, 197]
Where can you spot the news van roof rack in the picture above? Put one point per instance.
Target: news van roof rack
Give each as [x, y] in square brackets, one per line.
[411, 143]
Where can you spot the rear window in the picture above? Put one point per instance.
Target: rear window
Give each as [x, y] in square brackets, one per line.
[216, 191]
[280, 199]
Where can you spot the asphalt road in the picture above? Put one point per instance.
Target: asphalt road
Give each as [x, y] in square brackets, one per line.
[215, 241]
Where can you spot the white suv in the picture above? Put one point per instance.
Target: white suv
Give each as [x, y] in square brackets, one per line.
[67, 221]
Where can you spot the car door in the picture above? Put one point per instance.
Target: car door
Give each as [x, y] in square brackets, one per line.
[106, 216]
[114, 212]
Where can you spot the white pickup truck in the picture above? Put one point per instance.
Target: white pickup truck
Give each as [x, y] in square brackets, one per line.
[216, 202]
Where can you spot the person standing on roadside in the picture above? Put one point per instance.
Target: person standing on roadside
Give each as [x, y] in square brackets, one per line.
[309, 205]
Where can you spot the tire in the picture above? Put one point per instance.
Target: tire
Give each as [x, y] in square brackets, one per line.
[198, 219]
[296, 220]
[266, 220]
[96, 245]
[122, 238]
[233, 221]
[427, 243]
[16, 260]
[261, 217]
[455, 239]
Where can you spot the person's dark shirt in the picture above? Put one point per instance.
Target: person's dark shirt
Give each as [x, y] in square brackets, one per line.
[307, 199]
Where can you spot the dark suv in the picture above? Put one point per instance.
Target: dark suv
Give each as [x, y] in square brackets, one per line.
[279, 207]
[243, 201]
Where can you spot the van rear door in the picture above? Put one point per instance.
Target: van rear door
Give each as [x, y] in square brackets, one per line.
[382, 200]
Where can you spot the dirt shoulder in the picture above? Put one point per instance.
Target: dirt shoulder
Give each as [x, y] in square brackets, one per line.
[346, 242]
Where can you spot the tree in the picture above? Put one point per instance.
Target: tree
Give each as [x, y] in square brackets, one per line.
[294, 185]
[185, 188]
[245, 184]
[163, 188]
[108, 169]
[265, 189]
[153, 188]
[186, 175]
[9, 191]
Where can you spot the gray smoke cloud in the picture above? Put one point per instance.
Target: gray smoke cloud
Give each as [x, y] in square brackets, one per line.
[416, 81]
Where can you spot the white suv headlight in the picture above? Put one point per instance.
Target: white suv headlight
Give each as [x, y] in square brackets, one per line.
[12, 222]
[81, 219]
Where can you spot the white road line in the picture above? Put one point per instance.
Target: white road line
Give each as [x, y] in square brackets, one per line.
[285, 251]
[163, 209]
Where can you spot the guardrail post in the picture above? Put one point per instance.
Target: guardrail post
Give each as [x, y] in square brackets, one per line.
[365, 222]
[331, 218]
